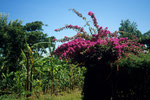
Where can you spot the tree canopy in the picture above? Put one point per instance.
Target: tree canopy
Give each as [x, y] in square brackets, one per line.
[14, 36]
[130, 29]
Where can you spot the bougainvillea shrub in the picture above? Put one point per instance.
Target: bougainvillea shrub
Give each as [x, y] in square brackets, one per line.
[100, 51]
[94, 46]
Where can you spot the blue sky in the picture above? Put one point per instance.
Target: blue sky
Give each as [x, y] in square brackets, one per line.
[55, 13]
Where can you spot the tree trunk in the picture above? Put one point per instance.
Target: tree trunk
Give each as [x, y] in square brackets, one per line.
[31, 80]
[27, 80]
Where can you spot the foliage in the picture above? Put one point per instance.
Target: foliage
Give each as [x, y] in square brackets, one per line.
[129, 30]
[56, 77]
[133, 77]
[50, 75]
[11, 40]
[35, 35]
[23, 68]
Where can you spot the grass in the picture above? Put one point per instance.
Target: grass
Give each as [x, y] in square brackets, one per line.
[73, 95]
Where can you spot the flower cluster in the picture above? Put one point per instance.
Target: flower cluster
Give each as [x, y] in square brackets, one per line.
[54, 39]
[72, 48]
[84, 47]
[94, 19]
[123, 46]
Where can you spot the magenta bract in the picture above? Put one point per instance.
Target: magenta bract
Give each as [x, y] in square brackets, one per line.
[96, 46]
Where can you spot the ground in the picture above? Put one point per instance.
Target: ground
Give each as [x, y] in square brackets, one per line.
[73, 95]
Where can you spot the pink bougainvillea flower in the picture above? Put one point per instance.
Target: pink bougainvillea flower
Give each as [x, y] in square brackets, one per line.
[83, 47]
[54, 39]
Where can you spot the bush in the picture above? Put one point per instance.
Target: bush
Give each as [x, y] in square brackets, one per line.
[133, 77]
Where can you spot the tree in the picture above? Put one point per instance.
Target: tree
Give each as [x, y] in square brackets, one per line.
[13, 36]
[147, 33]
[16, 38]
[130, 29]
[35, 35]
[11, 41]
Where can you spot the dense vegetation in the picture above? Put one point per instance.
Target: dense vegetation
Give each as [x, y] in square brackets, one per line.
[27, 65]
[109, 75]
[115, 64]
